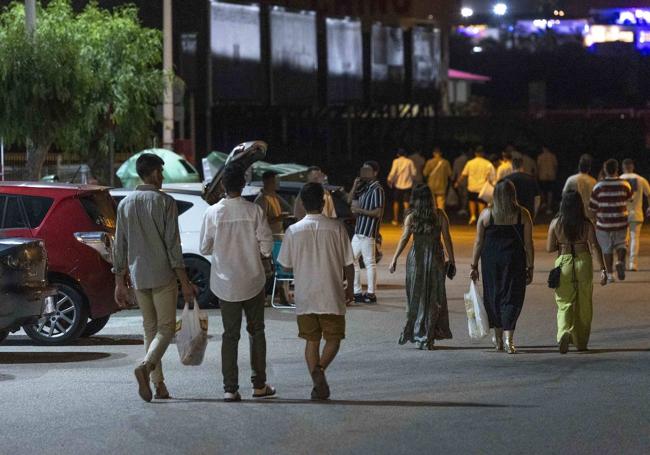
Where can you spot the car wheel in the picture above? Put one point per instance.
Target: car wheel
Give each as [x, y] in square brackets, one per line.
[95, 325]
[198, 271]
[3, 335]
[68, 321]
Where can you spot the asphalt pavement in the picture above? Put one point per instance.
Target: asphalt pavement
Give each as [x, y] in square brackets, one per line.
[462, 398]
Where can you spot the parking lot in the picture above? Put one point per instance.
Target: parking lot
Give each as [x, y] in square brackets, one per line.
[460, 398]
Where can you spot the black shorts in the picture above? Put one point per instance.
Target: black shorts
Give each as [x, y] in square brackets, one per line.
[401, 195]
[472, 196]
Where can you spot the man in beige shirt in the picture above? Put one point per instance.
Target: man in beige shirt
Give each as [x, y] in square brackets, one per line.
[438, 171]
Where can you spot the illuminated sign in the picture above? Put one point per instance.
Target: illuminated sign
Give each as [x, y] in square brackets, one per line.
[608, 34]
[633, 17]
[387, 63]
[344, 60]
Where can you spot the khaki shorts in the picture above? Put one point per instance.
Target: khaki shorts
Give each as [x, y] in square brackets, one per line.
[313, 327]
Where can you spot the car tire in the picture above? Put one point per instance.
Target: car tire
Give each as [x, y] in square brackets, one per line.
[93, 326]
[67, 324]
[3, 335]
[198, 271]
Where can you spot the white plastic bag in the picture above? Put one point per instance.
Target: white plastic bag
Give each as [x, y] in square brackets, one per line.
[192, 335]
[477, 319]
[487, 192]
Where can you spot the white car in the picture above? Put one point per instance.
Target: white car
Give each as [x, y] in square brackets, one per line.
[191, 207]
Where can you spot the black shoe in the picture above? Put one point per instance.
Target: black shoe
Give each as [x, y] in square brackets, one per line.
[321, 387]
[620, 270]
[359, 298]
[564, 343]
[370, 298]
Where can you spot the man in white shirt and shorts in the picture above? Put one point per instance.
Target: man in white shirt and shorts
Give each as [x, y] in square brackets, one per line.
[318, 251]
[640, 190]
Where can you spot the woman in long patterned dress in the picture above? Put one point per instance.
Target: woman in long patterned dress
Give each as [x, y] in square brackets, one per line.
[427, 315]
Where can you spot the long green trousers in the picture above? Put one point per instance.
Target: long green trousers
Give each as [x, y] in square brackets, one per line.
[574, 298]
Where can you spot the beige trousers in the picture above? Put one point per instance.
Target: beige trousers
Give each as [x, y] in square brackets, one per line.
[158, 308]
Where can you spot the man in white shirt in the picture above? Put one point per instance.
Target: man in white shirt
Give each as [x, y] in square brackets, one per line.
[235, 232]
[315, 175]
[547, 174]
[318, 251]
[477, 172]
[640, 190]
[400, 179]
[583, 183]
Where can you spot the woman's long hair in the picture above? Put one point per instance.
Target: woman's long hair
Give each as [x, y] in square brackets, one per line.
[571, 218]
[423, 212]
[504, 202]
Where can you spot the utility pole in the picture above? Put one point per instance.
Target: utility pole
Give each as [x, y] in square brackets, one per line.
[168, 63]
[30, 16]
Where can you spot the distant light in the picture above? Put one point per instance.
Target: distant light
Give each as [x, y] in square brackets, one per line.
[477, 49]
[556, 13]
[500, 9]
[561, 13]
[467, 12]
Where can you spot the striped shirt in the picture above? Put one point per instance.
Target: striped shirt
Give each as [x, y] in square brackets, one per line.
[609, 200]
[371, 199]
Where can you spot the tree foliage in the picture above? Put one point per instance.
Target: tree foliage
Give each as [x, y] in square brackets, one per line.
[84, 82]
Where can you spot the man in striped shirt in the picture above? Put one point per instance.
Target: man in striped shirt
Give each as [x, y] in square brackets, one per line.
[367, 199]
[609, 200]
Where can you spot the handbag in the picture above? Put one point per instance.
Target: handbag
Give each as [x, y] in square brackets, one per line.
[487, 192]
[556, 272]
[554, 277]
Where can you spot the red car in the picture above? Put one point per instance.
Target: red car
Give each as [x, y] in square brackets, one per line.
[77, 225]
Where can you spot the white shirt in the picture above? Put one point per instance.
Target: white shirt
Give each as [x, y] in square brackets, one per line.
[402, 174]
[235, 232]
[504, 170]
[478, 171]
[583, 184]
[640, 188]
[317, 249]
[546, 167]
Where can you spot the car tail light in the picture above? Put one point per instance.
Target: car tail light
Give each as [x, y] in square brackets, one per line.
[31, 262]
[102, 242]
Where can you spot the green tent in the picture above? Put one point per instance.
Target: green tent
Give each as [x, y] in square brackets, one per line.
[177, 169]
[286, 171]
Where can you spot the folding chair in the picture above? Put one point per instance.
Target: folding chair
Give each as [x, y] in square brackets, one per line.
[279, 274]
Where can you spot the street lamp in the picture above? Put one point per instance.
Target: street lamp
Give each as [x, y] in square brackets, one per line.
[467, 12]
[500, 9]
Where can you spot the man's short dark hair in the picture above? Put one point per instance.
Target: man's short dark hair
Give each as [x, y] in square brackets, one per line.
[147, 163]
[584, 165]
[234, 179]
[373, 164]
[312, 195]
[611, 167]
[628, 163]
[507, 155]
[268, 175]
[517, 163]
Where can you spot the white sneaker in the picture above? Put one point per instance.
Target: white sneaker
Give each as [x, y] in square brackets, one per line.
[610, 279]
[230, 397]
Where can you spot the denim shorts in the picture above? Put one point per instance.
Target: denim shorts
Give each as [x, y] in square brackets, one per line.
[610, 241]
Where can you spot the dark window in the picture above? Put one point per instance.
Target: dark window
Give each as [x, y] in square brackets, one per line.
[183, 206]
[36, 208]
[100, 207]
[188, 168]
[13, 218]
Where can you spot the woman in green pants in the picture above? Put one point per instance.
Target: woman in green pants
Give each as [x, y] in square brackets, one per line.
[572, 235]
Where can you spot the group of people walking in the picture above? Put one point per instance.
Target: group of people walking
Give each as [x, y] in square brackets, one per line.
[592, 223]
[238, 235]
